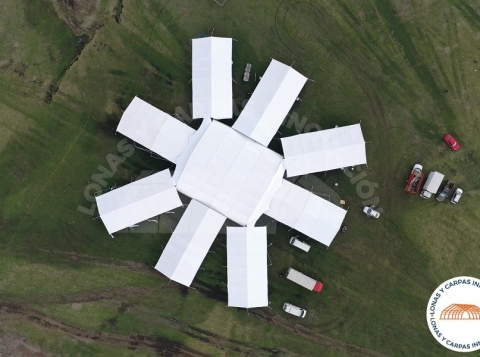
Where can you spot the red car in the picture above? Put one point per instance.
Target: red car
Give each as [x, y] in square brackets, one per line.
[451, 142]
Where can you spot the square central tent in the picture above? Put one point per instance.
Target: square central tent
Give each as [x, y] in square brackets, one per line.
[232, 174]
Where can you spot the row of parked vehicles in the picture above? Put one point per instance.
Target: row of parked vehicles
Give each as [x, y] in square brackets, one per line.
[434, 185]
[301, 279]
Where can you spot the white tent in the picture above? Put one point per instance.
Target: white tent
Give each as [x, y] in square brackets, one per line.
[154, 129]
[138, 201]
[324, 150]
[189, 243]
[230, 173]
[270, 102]
[247, 266]
[306, 212]
[212, 77]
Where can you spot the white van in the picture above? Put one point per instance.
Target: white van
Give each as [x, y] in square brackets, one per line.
[299, 244]
[294, 310]
[456, 196]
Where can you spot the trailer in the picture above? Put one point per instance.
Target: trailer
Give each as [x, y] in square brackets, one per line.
[444, 190]
[303, 280]
[432, 184]
[415, 179]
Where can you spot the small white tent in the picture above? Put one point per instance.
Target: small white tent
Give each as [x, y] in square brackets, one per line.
[138, 201]
[189, 243]
[270, 102]
[212, 77]
[247, 266]
[324, 150]
[154, 129]
[306, 212]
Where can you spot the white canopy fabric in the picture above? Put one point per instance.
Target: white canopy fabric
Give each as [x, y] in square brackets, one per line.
[189, 243]
[247, 266]
[306, 212]
[270, 102]
[230, 173]
[154, 129]
[324, 150]
[212, 77]
[138, 201]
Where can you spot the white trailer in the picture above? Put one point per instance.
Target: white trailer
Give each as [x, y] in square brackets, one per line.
[434, 180]
[303, 280]
[294, 310]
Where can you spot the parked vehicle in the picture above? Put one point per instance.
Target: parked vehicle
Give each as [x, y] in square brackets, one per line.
[303, 280]
[451, 142]
[444, 190]
[456, 196]
[294, 310]
[299, 244]
[415, 179]
[246, 75]
[432, 184]
[369, 211]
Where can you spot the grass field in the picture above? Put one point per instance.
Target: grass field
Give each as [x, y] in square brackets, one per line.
[406, 69]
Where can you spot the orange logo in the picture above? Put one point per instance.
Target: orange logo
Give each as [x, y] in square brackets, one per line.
[461, 312]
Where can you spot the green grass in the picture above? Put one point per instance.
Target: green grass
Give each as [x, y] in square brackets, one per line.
[386, 64]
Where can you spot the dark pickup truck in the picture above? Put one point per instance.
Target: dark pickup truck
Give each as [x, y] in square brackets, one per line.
[444, 190]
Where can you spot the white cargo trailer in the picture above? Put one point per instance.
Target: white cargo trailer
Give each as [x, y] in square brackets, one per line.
[303, 280]
[434, 180]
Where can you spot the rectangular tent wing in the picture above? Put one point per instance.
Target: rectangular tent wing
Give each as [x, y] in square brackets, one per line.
[306, 212]
[247, 266]
[324, 150]
[154, 129]
[189, 243]
[212, 77]
[138, 201]
[270, 102]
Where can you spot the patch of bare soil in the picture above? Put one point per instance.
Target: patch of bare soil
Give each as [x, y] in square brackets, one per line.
[17, 347]
[83, 16]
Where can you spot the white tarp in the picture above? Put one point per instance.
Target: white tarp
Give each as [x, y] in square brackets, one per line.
[324, 150]
[306, 212]
[230, 173]
[270, 102]
[154, 129]
[212, 77]
[247, 266]
[138, 201]
[189, 243]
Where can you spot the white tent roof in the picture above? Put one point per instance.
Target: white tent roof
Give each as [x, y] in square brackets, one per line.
[270, 102]
[247, 266]
[189, 243]
[306, 212]
[212, 77]
[324, 150]
[138, 201]
[154, 129]
[230, 173]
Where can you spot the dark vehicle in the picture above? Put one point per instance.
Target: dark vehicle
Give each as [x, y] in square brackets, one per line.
[444, 190]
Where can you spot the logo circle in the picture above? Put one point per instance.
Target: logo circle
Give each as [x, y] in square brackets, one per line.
[453, 314]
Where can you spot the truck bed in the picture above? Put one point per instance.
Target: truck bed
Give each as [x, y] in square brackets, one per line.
[414, 181]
